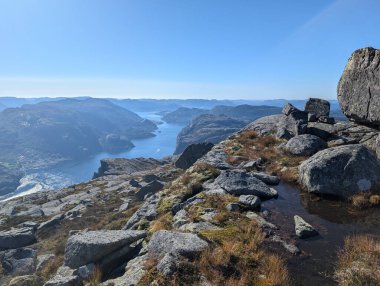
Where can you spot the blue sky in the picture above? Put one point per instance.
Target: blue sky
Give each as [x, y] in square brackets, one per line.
[238, 49]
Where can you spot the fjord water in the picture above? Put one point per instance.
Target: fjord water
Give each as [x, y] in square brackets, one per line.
[71, 172]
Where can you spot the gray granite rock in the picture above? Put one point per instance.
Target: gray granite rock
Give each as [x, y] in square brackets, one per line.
[359, 87]
[250, 202]
[191, 154]
[148, 211]
[177, 243]
[20, 261]
[17, 237]
[318, 107]
[238, 182]
[65, 276]
[305, 145]
[92, 246]
[303, 229]
[341, 171]
[267, 179]
[149, 189]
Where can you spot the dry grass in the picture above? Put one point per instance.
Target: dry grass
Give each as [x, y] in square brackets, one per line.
[365, 200]
[95, 278]
[49, 270]
[359, 262]
[163, 222]
[238, 258]
[276, 161]
[186, 186]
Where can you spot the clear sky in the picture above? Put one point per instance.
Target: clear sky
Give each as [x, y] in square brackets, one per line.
[238, 49]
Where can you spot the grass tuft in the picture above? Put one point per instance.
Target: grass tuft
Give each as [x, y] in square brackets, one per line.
[359, 261]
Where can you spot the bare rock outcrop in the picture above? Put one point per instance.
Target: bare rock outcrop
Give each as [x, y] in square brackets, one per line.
[341, 171]
[359, 87]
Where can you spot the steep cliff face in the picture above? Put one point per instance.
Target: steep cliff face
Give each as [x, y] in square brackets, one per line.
[359, 87]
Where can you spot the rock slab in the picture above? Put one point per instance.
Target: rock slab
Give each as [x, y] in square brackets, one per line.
[176, 243]
[238, 182]
[16, 238]
[92, 246]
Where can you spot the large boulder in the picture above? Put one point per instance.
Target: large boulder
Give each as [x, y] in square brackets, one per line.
[192, 153]
[359, 87]
[20, 261]
[239, 182]
[178, 243]
[266, 125]
[293, 123]
[15, 238]
[305, 145]
[317, 107]
[92, 246]
[341, 171]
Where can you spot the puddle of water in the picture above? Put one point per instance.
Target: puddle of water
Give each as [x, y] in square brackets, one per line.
[334, 220]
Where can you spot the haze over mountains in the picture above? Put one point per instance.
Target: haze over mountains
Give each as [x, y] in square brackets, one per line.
[40, 132]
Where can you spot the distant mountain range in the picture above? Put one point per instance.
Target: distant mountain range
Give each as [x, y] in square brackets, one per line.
[156, 105]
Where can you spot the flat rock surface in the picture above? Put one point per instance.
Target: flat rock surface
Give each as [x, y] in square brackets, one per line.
[238, 182]
[86, 247]
[305, 145]
[16, 238]
[163, 242]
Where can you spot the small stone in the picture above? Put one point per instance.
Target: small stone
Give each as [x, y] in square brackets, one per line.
[303, 229]
[233, 207]
[250, 202]
[167, 265]
[326, 119]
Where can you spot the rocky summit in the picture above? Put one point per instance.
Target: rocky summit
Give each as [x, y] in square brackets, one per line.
[270, 204]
